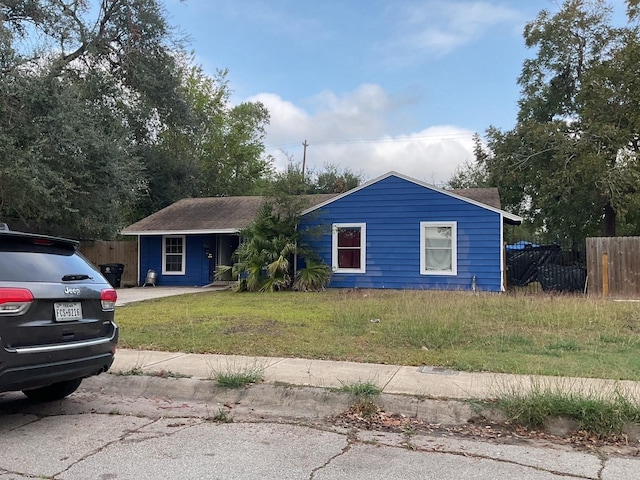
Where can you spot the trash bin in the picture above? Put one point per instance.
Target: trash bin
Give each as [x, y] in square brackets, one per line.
[113, 273]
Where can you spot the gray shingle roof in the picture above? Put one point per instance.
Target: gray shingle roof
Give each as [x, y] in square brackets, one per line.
[231, 214]
[488, 196]
[206, 215]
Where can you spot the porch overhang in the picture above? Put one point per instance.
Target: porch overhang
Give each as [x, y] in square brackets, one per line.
[142, 233]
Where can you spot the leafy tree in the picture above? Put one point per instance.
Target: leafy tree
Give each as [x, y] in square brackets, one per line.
[570, 164]
[220, 152]
[289, 191]
[105, 120]
[232, 159]
[332, 180]
[80, 98]
[472, 174]
[65, 168]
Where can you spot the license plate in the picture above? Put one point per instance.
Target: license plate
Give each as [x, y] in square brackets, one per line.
[66, 312]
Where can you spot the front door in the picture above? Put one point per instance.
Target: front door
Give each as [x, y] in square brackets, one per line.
[226, 246]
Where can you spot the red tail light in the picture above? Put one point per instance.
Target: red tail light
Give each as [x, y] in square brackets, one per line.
[108, 298]
[14, 301]
[15, 295]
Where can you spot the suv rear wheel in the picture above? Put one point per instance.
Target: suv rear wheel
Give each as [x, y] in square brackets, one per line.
[54, 391]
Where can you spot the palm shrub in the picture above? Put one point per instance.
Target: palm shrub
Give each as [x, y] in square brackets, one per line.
[279, 269]
[313, 277]
[264, 257]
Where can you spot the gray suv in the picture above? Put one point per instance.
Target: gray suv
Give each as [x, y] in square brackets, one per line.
[56, 316]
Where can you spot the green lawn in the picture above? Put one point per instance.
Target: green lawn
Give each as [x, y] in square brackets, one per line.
[550, 335]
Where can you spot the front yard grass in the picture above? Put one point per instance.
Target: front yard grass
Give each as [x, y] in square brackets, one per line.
[542, 335]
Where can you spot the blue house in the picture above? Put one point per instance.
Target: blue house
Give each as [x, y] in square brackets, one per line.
[392, 232]
[397, 232]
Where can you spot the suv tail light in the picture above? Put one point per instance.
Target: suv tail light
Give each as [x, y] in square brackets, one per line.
[15, 301]
[108, 298]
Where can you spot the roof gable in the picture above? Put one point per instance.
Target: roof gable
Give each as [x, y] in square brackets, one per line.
[487, 198]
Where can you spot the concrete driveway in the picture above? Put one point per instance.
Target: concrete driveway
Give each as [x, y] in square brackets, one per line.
[139, 294]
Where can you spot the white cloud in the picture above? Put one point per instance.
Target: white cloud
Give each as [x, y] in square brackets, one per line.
[351, 131]
[436, 28]
[431, 155]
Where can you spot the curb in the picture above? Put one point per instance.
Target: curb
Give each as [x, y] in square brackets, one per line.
[260, 401]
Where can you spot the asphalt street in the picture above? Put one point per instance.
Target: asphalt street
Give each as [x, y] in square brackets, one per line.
[139, 427]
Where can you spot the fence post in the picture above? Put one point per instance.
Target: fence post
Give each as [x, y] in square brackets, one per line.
[605, 275]
[504, 267]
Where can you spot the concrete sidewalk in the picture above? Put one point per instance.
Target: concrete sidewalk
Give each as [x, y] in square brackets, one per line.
[425, 381]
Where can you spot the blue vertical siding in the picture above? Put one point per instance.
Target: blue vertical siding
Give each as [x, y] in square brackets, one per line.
[392, 209]
[197, 270]
[150, 256]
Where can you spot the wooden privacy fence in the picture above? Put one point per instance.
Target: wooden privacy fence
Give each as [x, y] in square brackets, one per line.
[613, 266]
[125, 252]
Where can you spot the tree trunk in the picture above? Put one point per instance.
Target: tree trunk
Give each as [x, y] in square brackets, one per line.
[609, 225]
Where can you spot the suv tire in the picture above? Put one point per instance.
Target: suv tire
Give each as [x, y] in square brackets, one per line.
[55, 391]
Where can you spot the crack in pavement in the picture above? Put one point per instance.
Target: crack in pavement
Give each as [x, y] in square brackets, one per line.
[124, 437]
[494, 459]
[345, 449]
[103, 447]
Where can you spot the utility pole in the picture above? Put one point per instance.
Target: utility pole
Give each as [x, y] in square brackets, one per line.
[304, 156]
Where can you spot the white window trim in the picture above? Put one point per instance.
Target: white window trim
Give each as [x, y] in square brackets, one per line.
[164, 254]
[363, 248]
[454, 248]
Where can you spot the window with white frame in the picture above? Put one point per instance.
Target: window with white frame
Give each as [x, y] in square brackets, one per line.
[349, 247]
[173, 255]
[438, 249]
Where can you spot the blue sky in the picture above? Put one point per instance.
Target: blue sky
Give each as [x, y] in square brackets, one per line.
[371, 85]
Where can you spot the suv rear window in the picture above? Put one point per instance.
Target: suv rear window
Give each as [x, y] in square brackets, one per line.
[29, 260]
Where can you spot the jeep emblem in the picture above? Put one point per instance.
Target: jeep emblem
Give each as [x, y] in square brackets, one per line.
[71, 291]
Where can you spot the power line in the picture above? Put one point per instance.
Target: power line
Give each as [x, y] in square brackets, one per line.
[451, 136]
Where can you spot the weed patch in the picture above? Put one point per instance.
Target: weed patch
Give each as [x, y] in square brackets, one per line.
[361, 389]
[600, 414]
[132, 372]
[221, 416]
[237, 379]
[138, 371]
[169, 374]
